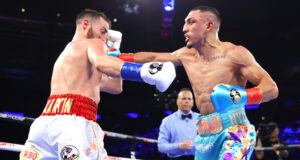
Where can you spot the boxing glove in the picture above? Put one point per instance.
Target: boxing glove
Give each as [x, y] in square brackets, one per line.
[225, 97]
[155, 73]
[113, 43]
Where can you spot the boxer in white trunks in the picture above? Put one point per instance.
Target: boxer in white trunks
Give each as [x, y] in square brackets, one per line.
[67, 128]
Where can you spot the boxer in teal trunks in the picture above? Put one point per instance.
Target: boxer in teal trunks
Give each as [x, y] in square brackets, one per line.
[226, 134]
[224, 130]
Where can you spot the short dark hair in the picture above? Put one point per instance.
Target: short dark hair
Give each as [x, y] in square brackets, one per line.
[209, 9]
[92, 14]
[272, 126]
[184, 89]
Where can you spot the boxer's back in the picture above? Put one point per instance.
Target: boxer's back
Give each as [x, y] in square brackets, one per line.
[74, 74]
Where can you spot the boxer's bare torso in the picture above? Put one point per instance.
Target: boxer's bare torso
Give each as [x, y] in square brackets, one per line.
[210, 61]
[73, 73]
[204, 73]
[224, 63]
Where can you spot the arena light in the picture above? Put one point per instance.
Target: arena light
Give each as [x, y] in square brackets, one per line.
[133, 115]
[98, 116]
[147, 115]
[167, 112]
[168, 5]
[252, 106]
[168, 8]
[167, 18]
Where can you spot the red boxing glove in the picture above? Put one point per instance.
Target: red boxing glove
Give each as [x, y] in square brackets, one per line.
[127, 57]
[254, 95]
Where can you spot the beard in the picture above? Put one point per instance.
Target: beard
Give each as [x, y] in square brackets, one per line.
[90, 34]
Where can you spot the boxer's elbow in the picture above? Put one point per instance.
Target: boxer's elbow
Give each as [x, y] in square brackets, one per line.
[118, 89]
[274, 91]
[116, 92]
[113, 90]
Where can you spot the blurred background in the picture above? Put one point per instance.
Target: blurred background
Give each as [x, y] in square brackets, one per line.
[33, 33]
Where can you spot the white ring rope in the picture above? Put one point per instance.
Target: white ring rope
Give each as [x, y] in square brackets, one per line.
[28, 120]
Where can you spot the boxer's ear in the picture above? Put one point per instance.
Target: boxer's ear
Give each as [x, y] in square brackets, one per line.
[84, 24]
[210, 25]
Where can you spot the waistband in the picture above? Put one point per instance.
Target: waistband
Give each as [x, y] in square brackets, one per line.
[217, 122]
[71, 104]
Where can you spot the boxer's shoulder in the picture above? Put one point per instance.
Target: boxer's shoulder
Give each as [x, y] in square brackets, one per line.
[184, 51]
[94, 42]
[77, 45]
[96, 45]
[236, 53]
[184, 54]
[231, 49]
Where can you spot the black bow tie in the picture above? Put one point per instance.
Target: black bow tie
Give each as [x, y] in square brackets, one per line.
[186, 116]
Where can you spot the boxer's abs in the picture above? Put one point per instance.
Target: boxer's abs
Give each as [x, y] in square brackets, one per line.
[204, 104]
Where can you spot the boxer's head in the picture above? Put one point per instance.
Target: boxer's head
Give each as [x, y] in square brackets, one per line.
[185, 100]
[200, 21]
[94, 24]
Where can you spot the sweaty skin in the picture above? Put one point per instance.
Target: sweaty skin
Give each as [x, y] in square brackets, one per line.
[84, 68]
[210, 62]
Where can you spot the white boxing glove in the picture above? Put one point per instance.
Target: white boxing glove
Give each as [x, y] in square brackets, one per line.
[114, 39]
[155, 73]
[159, 74]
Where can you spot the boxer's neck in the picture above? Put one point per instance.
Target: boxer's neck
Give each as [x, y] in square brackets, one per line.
[79, 35]
[209, 45]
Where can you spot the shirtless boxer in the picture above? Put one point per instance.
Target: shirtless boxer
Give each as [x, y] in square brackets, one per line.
[67, 129]
[218, 72]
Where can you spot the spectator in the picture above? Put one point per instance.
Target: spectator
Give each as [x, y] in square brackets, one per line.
[268, 136]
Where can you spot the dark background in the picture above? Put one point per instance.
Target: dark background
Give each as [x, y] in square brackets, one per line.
[32, 40]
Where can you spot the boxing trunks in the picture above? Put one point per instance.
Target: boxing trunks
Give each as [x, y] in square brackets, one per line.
[66, 130]
[226, 135]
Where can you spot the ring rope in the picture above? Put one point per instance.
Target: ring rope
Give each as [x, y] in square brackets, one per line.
[28, 121]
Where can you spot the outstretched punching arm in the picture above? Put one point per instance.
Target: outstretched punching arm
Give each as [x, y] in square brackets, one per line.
[143, 57]
[114, 42]
[159, 74]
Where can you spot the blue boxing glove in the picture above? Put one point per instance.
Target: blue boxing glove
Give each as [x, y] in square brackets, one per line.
[155, 73]
[110, 51]
[113, 43]
[225, 97]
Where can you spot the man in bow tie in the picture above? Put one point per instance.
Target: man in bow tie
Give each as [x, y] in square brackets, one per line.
[178, 131]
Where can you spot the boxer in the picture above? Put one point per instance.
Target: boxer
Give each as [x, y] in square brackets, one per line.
[67, 128]
[224, 130]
